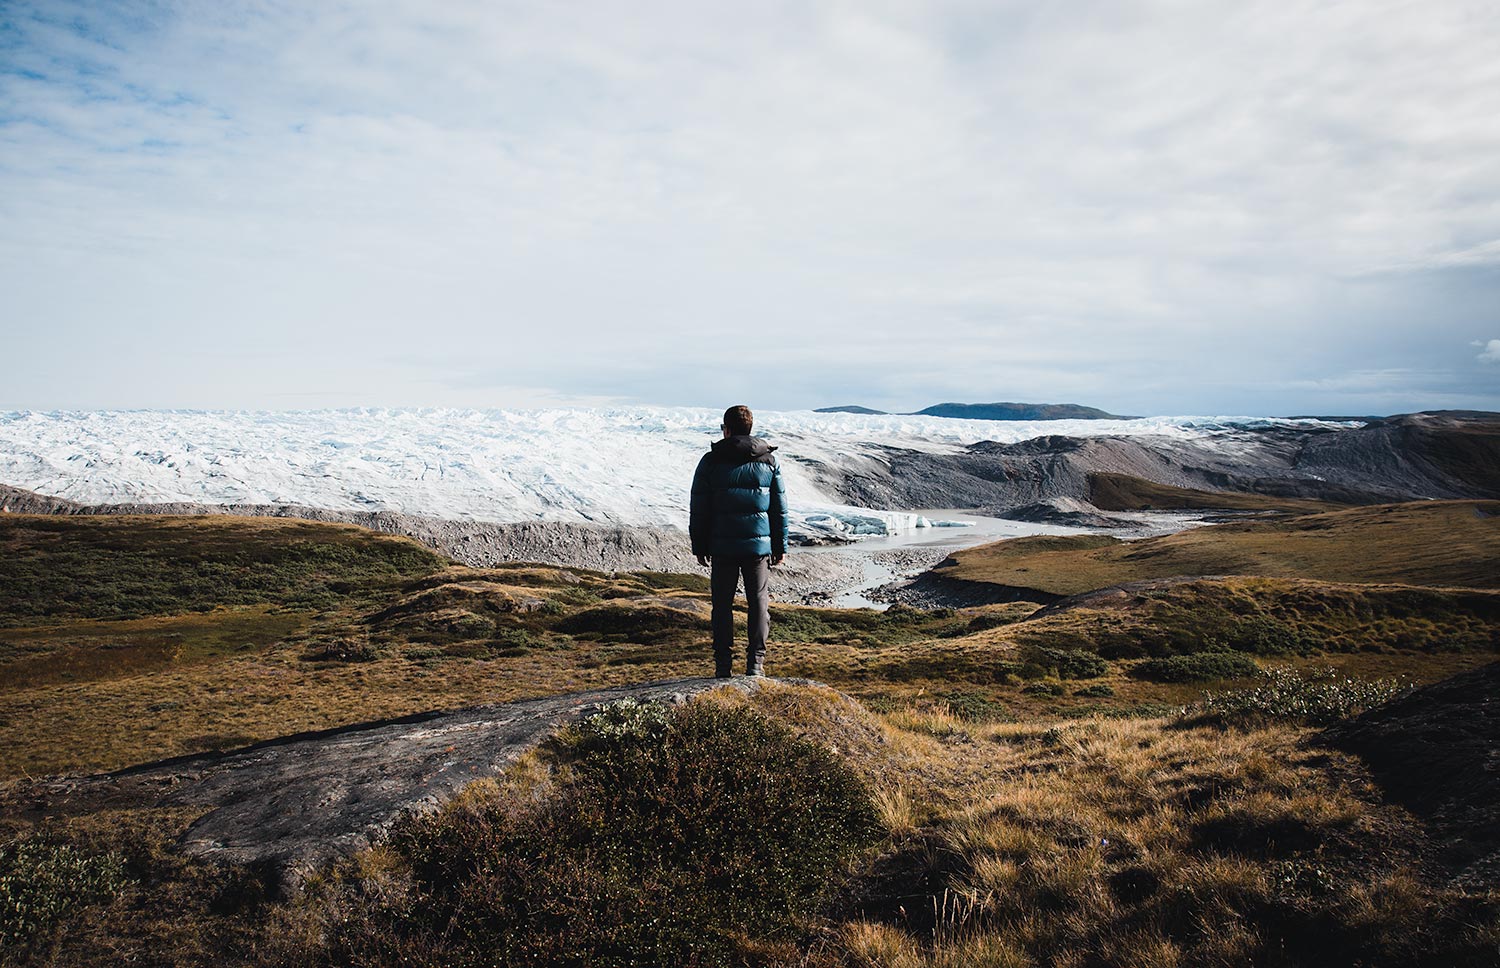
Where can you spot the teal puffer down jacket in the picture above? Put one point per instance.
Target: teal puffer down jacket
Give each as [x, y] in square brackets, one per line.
[738, 503]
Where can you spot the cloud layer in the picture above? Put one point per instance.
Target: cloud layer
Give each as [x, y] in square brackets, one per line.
[1151, 207]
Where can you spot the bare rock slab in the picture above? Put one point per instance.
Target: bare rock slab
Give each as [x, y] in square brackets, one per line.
[291, 804]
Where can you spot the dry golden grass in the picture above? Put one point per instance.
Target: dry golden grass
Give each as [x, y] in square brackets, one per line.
[1438, 543]
[218, 697]
[1092, 842]
[1121, 492]
[85, 651]
[1023, 828]
[88, 693]
[1132, 842]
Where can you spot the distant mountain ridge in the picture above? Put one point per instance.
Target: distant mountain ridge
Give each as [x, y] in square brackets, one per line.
[995, 411]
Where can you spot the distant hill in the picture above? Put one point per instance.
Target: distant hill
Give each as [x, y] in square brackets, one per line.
[995, 411]
[1018, 411]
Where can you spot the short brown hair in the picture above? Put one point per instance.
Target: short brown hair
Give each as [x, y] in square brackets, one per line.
[738, 420]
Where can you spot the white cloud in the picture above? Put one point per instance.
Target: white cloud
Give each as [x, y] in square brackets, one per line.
[1099, 196]
[1488, 352]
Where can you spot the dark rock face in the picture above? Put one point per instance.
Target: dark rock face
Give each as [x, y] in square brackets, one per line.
[1436, 751]
[1062, 510]
[288, 805]
[1445, 454]
[1410, 457]
[996, 411]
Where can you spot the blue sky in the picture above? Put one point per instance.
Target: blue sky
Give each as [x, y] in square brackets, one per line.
[1164, 207]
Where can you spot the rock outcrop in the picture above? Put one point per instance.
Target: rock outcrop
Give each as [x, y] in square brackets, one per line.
[289, 805]
[1441, 455]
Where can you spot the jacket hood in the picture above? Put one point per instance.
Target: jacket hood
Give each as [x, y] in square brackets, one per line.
[741, 449]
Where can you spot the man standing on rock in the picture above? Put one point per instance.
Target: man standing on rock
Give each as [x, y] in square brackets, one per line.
[737, 523]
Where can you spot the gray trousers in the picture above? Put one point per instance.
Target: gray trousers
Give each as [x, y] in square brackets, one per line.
[724, 580]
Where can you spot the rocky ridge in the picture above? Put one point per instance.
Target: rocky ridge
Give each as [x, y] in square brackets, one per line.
[289, 805]
[1447, 454]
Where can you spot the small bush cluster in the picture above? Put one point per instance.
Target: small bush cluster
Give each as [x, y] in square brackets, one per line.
[671, 838]
[344, 649]
[41, 883]
[642, 624]
[973, 707]
[1265, 635]
[881, 703]
[1197, 667]
[1286, 695]
[1065, 663]
[896, 625]
[514, 641]
[625, 721]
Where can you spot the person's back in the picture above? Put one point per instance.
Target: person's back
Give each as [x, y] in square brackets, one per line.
[737, 524]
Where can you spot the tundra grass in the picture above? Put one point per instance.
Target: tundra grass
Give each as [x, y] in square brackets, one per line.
[88, 695]
[1121, 492]
[1039, 804]
[88, 650]
[56, 567]
[1101, 842]
[1437, 543]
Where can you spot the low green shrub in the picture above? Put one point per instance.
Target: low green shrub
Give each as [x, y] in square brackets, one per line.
[1097, 690]
[1264, 635]
[1043, 689]
[1197, 667]
[1068, 663]
[515, 641]
[670, 839]
[973, 707]
[980, 623]
[564, 599]
[1285, 695]
[625, 721]
[344, 648]
[42, 883]
[630, 622]
[897, 624]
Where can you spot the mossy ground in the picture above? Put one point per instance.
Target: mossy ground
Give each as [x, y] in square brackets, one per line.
[1039, 803]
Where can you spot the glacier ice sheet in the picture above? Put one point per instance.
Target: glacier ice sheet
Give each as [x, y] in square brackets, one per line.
[618, 465]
